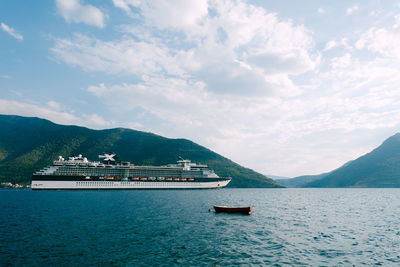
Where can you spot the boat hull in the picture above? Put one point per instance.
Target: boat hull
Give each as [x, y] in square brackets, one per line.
[113, 185]
[243, 210]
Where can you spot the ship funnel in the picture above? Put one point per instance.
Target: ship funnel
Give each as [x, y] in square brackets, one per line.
[109, 158]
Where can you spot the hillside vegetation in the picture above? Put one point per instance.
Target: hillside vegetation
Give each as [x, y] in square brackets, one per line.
[29, 144]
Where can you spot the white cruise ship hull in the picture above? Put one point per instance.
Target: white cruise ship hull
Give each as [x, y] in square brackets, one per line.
[107, 185]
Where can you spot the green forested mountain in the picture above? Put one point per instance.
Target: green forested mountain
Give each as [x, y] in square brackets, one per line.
[379, 168]
[29, 144]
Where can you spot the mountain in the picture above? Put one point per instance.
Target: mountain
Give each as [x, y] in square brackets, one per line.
[29, 144]
[300, 180]
[379, 168]
[276, 177]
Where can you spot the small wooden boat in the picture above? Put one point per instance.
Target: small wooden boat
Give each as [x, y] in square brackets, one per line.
[243, 210]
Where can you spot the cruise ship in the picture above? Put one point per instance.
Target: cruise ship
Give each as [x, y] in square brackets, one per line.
[110, 173]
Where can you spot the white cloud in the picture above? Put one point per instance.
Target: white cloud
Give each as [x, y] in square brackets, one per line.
[344, 42]
[27, 109]
[123, 56]
[11, 32]
[237, 78]
[320, 10]
[167, 14]
[345, 100]
[74, 11]
[352, 10]
[95, 119]
[375, 13]
[397, 19]
[52, 113]
[134, 125]
[380, 40]
[15, 92]
[237, 48]
[330, 45]
[341, 62]
[169, 99]
[123, 4]
[54, 105]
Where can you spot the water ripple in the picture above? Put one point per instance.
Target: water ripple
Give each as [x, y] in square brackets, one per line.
[328, 227]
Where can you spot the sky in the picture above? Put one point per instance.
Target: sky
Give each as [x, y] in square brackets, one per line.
[284, 87]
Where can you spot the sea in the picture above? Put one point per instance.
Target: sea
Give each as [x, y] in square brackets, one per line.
[288, 227]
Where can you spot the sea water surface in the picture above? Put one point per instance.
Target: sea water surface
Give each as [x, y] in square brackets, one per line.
[174, 227]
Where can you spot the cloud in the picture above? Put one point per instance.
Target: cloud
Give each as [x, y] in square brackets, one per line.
[345, 100]
[74, 11]
[124, 4]
[17, 93]
[51, 112]
[397, 19]
[320, 10]
[231, 47]
[351, 10]
[169, 99]
[167, 14]
[341, 62]
[330, 45]
[238, 78]
[11, 32]
[54, 105]
[350, 100]
[97, 120]
[126, 56]
[382, 41]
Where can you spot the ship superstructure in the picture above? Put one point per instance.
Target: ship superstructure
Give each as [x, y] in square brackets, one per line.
[80, 173]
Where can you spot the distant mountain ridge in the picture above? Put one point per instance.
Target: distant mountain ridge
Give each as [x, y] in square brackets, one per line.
[378, 168]
[29, 144]
[300, 180]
